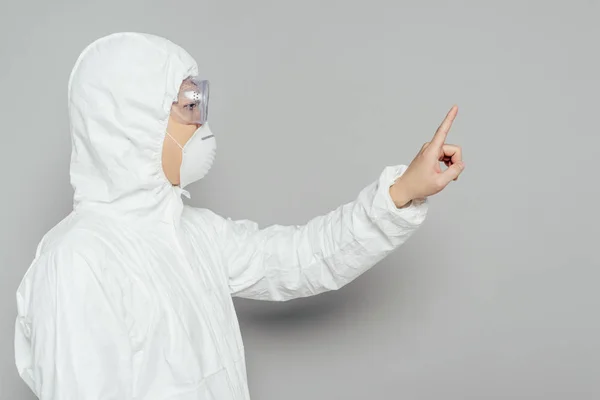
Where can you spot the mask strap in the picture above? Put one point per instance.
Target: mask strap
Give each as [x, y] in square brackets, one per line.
[173, 139]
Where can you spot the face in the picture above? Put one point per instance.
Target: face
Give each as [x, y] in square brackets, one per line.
[171, 154]
[185, 110]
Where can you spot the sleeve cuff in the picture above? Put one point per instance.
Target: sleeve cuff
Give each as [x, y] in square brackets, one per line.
[410, 216]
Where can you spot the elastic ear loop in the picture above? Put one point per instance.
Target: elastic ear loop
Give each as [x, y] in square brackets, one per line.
[183, 191]
[176, 142]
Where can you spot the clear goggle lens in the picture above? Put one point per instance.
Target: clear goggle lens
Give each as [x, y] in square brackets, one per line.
[191, 106]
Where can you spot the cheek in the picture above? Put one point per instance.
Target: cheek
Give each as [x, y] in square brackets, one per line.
[171, 160]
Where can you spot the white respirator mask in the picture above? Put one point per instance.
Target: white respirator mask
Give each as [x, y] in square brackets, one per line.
[197, 155]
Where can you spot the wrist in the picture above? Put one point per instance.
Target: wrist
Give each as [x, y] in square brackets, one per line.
[400, 195]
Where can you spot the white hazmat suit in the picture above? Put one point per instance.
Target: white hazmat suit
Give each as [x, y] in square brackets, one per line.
[130, 296]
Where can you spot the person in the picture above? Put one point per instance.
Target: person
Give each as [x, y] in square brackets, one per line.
[130, 296]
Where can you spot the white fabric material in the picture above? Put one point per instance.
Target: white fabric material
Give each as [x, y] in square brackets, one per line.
[129, 297]
[198, 155]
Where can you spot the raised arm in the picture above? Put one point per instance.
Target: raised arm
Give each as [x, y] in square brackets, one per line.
[286, 262]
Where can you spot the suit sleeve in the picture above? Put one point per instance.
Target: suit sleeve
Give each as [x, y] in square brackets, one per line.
[285, 262]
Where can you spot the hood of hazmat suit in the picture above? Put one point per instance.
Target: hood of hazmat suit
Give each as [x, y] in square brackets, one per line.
[130, 296]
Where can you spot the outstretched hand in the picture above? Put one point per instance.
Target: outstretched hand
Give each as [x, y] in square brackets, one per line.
[424, 176]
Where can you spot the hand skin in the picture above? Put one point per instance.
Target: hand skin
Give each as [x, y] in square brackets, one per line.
[424, 177]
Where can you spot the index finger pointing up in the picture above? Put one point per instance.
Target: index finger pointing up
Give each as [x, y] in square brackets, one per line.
[440, 135]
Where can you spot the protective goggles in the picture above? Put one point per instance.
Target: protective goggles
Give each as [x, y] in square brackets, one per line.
[191, 106]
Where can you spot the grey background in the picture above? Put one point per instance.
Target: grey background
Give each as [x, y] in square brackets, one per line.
[496, 297]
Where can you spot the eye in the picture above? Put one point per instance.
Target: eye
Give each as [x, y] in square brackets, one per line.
[191, 106]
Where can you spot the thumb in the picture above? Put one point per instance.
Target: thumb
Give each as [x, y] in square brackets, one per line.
[452, 172]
